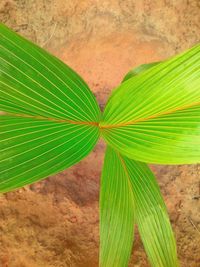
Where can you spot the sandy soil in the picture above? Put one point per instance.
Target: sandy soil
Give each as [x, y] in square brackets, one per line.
[55, 222]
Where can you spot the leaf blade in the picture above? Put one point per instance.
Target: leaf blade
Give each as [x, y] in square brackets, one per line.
[28, 73]
[32, 149]
[163, 98]
[50, 117]
[151, 216]
[138, 70]
[150, 211]
[116, 213]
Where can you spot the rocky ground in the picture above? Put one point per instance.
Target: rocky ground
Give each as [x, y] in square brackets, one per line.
[54, 223]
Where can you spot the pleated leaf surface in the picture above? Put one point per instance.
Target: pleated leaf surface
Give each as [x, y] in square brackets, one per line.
[150, 213]
[116, 213]
[138, 70]
[155, 116]
[49, 116]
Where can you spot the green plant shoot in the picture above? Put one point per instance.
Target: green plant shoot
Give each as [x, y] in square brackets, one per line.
[50, 120]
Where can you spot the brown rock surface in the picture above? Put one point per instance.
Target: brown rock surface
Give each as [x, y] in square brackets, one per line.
[55, 222]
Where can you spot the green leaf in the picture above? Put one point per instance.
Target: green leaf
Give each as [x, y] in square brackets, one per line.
[33, 148]
[155, 116]
[151, 215]
[116, 213]
[134, 72]
[50, 117]
[40, 84]
[138, 70]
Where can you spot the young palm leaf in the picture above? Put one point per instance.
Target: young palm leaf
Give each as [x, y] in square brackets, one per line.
[138, 70]
[151, 215]
[50, 116]
[138, 183]
[116, 213]
[50, 120]
[124, 182]
[155, 116]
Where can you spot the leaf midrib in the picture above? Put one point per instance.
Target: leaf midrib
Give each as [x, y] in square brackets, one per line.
[125, 170]
[51, 119]
[109, 126]
[98, 124]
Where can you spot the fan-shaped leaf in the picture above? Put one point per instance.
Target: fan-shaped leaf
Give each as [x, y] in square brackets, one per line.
[50, 116]
[155, 116]
[40, 84]
[32, 149]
